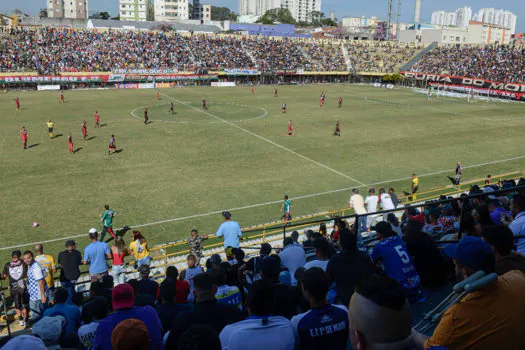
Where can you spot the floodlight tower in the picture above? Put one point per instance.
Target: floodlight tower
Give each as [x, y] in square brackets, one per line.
[417, 12]
[389, 19]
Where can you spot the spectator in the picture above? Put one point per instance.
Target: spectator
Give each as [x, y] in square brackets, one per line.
[392, 219]
[213, 263]
[147, 286]
[96, 292]
[16, 272]
[465, 324]
[141, 299]
[393, 196]
[188, 274]
[432, 226]
[225, 294]
[292, 257]
[130, 334]
[253, 266]
[263, 330]
[182, 287]
[392, 253]
[295, 238]
[87, 332]
[25, 342]
[380, 316]
[50, 329]
[195, 243]
[501, 239]
[386, 201]
[199, 337]
[123, 304]
[168, 309]
[371, 206]
[47, 263]
[139, 249]
[325, 325]
[348, 268]
[233, 275]
[36, 287]
[428, 260]
[69, 261]
[497, 211]
[96, 255]
[207, 310]
[322, 253]
[357, 203]
[517, 226]
[285, 298]
[230, 230]
[119, 251]
[322, 230]
[71, 314]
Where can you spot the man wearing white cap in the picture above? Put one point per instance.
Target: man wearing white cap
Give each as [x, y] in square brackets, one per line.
[96, 255]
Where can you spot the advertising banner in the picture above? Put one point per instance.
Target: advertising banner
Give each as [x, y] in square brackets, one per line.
[51, 79]
[241, 71]
[223, 83]
[127, 86]
[47, 87]
[152, 71]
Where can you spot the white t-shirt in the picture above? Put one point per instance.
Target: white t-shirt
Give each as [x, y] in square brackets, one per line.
[251, 334]
[86, 334]
[358, 203]
[386, 202]
[316, 263]
[371, 203]
[293, 257]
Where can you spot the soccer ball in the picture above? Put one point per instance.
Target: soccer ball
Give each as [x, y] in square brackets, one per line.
[35, 224]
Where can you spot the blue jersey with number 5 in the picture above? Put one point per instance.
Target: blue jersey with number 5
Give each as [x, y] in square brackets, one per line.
[397, 264]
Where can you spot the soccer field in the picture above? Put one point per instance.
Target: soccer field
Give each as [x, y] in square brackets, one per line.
[180, 171]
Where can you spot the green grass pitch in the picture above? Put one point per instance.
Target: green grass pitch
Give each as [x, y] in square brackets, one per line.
[234, 155]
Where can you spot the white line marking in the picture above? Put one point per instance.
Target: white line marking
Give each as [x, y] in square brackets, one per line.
[275, 202]
[268, 141]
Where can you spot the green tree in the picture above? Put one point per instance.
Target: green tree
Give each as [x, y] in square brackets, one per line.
[280, 15]
[222, 14]
[100, 15]
[329, 22]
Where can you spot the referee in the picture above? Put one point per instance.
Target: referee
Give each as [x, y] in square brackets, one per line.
[415, 186]
[457, 179]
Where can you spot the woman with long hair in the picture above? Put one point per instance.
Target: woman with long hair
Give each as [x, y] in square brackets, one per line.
[139, 249]
[118, 251]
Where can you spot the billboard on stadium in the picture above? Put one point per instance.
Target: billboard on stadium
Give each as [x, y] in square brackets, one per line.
[47, 87]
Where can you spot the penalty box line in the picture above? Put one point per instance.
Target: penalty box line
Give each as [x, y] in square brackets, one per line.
[268, 141]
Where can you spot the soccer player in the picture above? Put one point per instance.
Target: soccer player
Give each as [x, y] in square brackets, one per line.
[50, 128]
[337, 131]
[286, 209]
[97, 119]
[112, 145]
[172, 108]
[340, 101]
[275, 93]
[158, 95]
[457, 179]
[290, 129]
[70, 143]
[204, 104]
[23, 136]
[284, 107]
[107, 222]
[84, 131]
[61, 98]
[146, 116]
[321, 101]
[253, 90]
[17, 103]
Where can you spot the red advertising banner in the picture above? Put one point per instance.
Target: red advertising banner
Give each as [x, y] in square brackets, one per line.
[53, 79]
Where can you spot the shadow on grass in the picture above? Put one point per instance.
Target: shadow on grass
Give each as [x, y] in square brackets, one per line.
[33, 145]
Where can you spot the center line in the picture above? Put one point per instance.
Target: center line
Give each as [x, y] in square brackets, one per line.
[267, 140]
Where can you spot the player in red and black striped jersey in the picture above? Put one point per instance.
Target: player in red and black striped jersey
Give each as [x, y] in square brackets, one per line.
[84, 131]
[290, 129]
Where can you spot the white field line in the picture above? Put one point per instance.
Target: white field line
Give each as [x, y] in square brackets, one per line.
[273, 202]
[268, 141]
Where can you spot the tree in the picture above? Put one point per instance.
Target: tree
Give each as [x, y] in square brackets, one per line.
[222, 14]
[100, 15]
[329, 22]
[42, 13]
[280, 15]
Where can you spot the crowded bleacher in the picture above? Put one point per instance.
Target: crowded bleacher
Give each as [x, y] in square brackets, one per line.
[380, 57]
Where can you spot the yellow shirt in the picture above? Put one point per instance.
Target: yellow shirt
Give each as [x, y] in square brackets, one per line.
[50, 125]
[415, 182]
[47, 263]
[490, 318]
[139, 251]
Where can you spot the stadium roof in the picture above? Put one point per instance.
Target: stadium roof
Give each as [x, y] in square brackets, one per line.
[150, 25]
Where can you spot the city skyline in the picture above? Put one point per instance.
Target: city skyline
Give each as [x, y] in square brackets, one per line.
[341, 8]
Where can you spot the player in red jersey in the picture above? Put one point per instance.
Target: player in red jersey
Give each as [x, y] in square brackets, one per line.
[340, 101]
[70, 143]
[284, 108]
[253, 90]
[61, 98]
[337, 131]
[158, 95]
[204, 104]
[146, 116]
[84, 131]
[172, 108]
[17, 103]
[24, 136]
[112, 145]
[97, 119]
[275, 93]
[290, 129]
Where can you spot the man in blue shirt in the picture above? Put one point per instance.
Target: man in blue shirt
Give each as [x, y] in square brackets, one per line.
[96, 255]
[325, 326]
[230, 230]
[123, 300]
[70, 312]
[392, 253]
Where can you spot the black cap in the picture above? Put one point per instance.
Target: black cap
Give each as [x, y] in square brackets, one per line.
[144, 270]
[70, 243]
[226, 214]
[16, 254]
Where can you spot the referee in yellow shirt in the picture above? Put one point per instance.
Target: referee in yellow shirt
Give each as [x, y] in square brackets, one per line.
[50, 128]
[415, 186]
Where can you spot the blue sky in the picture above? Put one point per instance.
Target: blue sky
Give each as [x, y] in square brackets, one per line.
[340, 7]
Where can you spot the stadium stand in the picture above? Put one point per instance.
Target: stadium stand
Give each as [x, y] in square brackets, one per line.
[380, 57]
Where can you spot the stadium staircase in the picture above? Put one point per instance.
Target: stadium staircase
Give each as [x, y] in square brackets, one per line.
[408, 66]
[347, 57]
[250, 55]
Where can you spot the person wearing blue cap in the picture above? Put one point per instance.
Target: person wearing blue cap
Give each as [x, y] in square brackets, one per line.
[488, 318]
[230, 230]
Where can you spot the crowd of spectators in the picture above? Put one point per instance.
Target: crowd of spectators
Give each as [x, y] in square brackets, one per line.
[496, 63]
[327, 291]
[379, 57]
